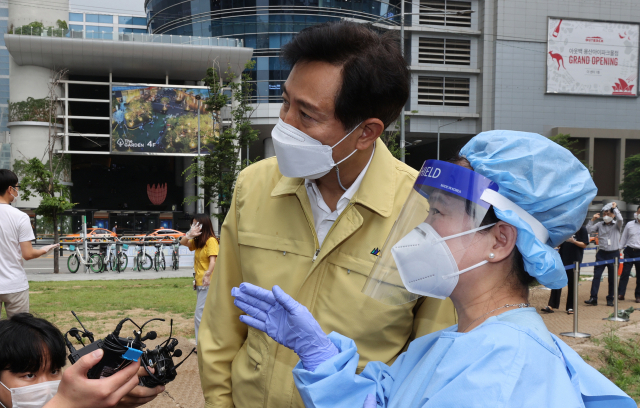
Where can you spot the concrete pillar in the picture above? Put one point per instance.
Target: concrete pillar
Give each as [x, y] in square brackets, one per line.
[591, 150]
[269, 151]
[622, 148]
[189, 188]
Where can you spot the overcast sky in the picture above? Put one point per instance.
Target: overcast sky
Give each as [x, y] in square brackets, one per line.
[111, 6]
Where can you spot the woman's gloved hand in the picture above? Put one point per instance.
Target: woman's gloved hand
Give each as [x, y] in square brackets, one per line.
[196, 229]
[286, 321]
[370, 401]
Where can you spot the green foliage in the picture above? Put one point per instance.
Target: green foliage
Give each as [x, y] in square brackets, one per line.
[622, 363]
[38, 29]
[37, 180]
[392, 139]
[36, 110]
[630, 187]
[220, 169]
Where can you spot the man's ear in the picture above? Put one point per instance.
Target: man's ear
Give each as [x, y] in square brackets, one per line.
[505, 236]
[372, 128]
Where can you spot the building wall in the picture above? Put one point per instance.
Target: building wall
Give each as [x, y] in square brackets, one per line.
[520, 64]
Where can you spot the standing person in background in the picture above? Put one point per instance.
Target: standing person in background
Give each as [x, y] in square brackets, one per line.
[16, 235]
[201, 239]
[630, 241]
[571, 251]
[115, 227]
[608, 248]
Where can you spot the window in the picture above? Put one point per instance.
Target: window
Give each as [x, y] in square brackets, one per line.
[76, 17]
[125, 20]
[140, 21]
[100, 29]
[132, 30]
[444, 51]
[445, 13]
[100, 18]
[444, 91]
[76, 27]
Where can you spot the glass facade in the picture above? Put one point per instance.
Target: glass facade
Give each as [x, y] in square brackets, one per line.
[76, 17]
[264, 25]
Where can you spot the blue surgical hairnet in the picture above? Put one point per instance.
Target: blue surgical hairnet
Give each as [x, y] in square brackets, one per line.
[544, 179]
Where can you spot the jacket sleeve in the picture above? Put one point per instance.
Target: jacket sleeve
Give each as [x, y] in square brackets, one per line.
[335, 384]
[618, 219]
[221, 333]
[592, 227]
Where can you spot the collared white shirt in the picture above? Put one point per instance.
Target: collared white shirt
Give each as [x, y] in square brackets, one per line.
[631, 235]
[323, 217]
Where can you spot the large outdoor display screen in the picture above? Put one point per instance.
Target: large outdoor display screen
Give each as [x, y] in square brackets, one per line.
[159, 120]
[592, 58]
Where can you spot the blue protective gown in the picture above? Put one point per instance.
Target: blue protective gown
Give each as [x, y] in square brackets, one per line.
[498, 364]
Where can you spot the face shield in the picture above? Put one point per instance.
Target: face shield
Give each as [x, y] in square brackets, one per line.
[435, 238]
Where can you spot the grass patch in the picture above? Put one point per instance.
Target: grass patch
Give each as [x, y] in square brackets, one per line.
[622, 363]
[101, 304]
[173, 295]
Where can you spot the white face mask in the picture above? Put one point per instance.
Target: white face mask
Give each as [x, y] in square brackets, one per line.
[635, 216]
[17, 193]
[301, 156]
[425, 263]
[607, 219]
[32, 396]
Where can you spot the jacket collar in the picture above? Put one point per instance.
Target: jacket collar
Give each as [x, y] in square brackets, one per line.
[377, 190]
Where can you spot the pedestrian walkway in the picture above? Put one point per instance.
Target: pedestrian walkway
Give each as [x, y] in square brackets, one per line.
[589, 317]
[81, 276]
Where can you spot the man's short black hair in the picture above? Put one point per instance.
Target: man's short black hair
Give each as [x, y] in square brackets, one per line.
[7, 179]
[26, 341]
[375, 77]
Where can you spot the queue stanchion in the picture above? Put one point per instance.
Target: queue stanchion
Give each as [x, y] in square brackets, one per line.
[576, 280]
[615, 317]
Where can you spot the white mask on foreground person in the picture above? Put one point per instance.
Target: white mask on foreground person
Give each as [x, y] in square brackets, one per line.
[301, 156]
[32, 396]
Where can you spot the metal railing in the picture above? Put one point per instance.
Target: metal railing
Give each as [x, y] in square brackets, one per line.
[127, 37]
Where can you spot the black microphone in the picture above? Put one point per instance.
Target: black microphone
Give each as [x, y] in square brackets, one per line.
[150, 336]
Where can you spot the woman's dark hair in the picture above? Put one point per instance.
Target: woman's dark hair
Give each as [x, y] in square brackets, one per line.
[27, 341]
[522, 278]
[207, 230]
[7, 179]
[375, 77]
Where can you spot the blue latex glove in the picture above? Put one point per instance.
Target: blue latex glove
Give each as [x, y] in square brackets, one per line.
[370, 401]
[286, 321]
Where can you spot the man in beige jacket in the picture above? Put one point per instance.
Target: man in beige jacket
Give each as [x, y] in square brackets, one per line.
[316, 232]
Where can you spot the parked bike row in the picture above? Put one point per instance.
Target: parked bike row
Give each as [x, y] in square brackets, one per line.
[112, 255]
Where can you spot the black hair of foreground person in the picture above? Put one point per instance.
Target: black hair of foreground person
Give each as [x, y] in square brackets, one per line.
[369, 89]
[26, 341]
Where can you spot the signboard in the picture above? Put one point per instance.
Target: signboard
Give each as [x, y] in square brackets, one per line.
[160, 120]
[592, 58]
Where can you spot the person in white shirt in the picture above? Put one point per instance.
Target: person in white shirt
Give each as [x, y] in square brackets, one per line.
[630, 241]
[16, 235]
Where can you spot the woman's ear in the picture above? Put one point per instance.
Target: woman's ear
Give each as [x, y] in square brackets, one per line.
[504, 236]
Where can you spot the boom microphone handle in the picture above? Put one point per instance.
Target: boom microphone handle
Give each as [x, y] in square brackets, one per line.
[89, 334]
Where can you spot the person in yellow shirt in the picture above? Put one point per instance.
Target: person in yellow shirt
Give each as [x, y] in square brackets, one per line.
[201, 239]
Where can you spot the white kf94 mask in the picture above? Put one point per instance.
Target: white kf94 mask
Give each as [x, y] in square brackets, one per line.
[301, 156]
[425, 263]
[32, 396]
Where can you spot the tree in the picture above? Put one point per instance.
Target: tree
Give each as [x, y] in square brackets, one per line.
[630, 187]
[392, 139]
[42, 178]
[220, 168]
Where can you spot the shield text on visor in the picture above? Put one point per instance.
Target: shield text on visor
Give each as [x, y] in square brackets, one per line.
[435, 237]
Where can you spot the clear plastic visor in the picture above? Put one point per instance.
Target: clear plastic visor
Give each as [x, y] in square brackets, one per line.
[436, 214]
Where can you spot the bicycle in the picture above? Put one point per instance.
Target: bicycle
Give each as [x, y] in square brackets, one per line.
[120, 260]
[175, 256]
[158, 258]
[142, 260]
[95, 261]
